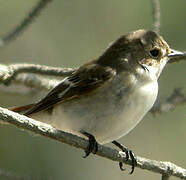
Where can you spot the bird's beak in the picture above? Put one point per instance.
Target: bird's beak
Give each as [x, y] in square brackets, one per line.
[175, 54]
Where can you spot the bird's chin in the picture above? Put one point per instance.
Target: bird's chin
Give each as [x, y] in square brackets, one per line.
[161, 66]
[147, 73]
[152, 72]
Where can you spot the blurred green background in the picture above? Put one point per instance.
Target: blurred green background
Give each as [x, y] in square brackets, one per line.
[67, 34]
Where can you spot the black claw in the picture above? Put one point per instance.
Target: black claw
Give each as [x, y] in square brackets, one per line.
[93, 145]
[128, 154]
[121, 166]
[134, 162]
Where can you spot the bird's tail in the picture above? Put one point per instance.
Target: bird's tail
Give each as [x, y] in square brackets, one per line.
[21, 109]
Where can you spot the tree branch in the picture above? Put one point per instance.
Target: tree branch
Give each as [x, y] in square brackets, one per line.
[12, 70]
[165, 168]
[25, 23]
[176, 98]
[156, 15]
[28, 81]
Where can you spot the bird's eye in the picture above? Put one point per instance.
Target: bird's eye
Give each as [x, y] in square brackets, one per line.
[154, 53]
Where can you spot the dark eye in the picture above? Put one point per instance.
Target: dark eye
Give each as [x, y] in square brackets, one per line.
[154, 53]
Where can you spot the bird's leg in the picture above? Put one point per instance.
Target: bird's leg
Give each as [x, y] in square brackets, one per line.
[93, 145]
[128, 153]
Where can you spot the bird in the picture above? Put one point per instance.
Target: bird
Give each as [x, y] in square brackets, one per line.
[104, 99]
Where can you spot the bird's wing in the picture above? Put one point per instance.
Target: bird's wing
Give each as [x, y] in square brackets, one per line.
[84, 81]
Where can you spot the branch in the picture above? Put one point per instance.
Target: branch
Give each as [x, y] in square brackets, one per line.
[176, 98]
[156, 15]
[165, 168]
[26, 81]
[11, 71]
[25, 23]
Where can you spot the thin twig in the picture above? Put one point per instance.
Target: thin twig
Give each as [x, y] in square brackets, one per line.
[176, 98]
[156, 15]
[25, 23]
[27, 81]
[14, 69]
[78, 142]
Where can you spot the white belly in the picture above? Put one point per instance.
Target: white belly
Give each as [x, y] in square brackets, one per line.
[107, 115]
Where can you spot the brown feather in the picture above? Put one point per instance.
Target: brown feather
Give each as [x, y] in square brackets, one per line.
[85, 80]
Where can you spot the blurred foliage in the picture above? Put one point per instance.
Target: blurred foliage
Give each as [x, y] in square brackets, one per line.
[67, 34]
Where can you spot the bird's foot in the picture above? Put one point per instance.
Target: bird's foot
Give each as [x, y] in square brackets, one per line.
[92, 146]
[128, 153]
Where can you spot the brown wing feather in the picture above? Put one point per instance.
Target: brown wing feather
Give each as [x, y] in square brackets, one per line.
[85, 80]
